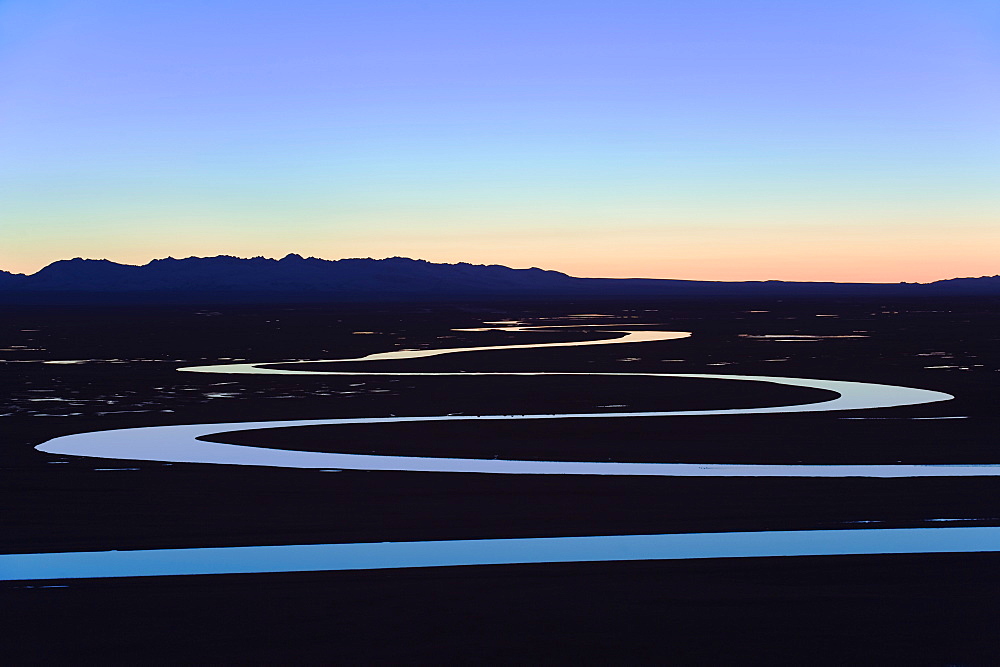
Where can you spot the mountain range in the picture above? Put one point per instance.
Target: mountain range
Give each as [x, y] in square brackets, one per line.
[297, 278]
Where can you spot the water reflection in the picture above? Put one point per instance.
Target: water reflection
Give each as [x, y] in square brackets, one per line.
[184, 444]
[601, 548]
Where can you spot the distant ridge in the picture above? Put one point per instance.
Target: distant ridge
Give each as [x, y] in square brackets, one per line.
[297, 278]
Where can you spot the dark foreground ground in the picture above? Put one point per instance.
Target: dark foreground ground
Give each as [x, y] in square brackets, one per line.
[913, 609]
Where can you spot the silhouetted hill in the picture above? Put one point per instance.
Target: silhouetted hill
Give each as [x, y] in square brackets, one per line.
[295, 278]
[8, 279]
[983, 285]
[290, 273]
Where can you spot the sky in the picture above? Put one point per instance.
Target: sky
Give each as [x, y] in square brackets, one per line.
[698, 139]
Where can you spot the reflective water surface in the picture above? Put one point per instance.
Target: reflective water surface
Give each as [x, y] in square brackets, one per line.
[384, 555]
[183, 443]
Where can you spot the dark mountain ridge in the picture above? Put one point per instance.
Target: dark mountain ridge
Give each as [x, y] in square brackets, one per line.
[310, 278]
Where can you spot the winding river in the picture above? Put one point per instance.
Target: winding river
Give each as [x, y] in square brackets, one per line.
[185, 443]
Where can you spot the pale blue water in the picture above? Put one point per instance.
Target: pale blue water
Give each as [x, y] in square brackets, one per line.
[383, 555]
[181, 443]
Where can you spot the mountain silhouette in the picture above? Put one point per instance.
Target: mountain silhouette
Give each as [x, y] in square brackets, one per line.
[294, 277]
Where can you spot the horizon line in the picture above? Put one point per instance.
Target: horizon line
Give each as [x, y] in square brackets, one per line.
[322, 259]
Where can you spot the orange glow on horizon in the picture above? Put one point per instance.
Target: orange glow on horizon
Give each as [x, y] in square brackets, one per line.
[736, 269]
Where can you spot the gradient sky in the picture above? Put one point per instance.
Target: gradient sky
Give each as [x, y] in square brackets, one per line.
[701, 139]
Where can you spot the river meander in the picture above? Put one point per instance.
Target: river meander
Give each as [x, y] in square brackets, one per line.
[186, 443]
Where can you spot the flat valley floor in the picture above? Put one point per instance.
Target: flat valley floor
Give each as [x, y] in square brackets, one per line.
[75, 369]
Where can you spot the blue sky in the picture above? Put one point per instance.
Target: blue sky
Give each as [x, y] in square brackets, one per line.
[713, 140]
